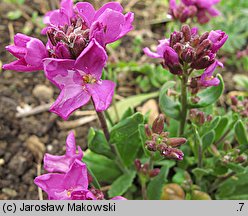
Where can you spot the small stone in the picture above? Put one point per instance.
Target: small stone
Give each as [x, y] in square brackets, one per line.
[2, 162]
[43, 92]
[37, 148]
[152, 107]
[18, 164]
[10, 192]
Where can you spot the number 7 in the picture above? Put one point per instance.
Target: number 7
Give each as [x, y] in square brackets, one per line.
[241, 206]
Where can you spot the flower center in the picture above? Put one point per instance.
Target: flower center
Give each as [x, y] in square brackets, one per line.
[74, 37]
[89, 79]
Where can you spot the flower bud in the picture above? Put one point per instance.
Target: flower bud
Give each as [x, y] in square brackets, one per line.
[151, 145]
[203, 37]
[204, 45]
[176, 142]
[137, 164]
[60, 36]
[188, 55]
[50, 35]
[234, 101]
[200, 118]
[158, 124]
[209, 118]
[241, 159]
[186, 32]
[148, 131]
[154, 172]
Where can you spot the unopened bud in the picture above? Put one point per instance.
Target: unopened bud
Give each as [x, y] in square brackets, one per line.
[209, 118]
[203, 37]
[204, 45]
[176, 142]
[234, 101]
[172, 192]
[186, 32]
[188, 55]
[151, 145]
[60, 36]
[148, 131]
[158, 124]
[137, 164]
[79, 46]
[154, 172]
[241, 159]
[50, 35]
[200, 118]
[192, 10]
[178, 48]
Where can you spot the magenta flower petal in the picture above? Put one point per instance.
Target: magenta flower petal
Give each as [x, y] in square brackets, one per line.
[30, 53]
[71, 98]
[60, 73]
[127, 27]
[108, 27]
[207, 79]
[92, 60]
[36, 52]
[115, 6]
[61, 186]
[118, 198]
[218, 38]
[151, 54]
[62, 163]
[102, 94]
[87, 11]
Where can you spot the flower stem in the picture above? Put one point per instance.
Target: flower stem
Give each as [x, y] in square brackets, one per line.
[184, 109]
[104, 125]
[113, 148]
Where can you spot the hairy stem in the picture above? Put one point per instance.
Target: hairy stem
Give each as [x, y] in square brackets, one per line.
[184, 104]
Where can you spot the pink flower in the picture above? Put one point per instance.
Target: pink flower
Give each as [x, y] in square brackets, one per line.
[218, 39]
[62, 164]
[207, 79]
[30, 53]
[202, 9]
[79, 80]
[106, 25]
[65, 186]
[169, 55]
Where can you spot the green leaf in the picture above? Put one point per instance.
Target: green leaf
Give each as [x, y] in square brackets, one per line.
[170, 107]
[199, 172]
[121, 185]
[234, 188]
[143, 138]
[241, 135]
[97, 143]
[14, 15]
[220, 129]
[125, 135]
[209, 95]
[129, 112]
[241, 80]
[179, 177]
[104, 169]
[131, 102]
[207, 140]
[155, 186]
[235, 167]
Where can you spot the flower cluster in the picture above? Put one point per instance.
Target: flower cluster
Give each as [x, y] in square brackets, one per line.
[188, 51]
[240, 106]
[68, 178]
[145, 170]
[158, 140]
[189, 9]
[74, 56]
[198, 117]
